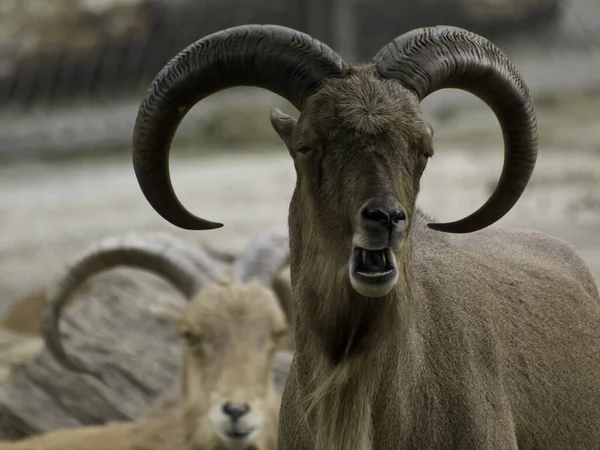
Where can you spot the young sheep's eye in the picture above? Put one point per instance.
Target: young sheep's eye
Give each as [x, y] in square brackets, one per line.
[191, 339]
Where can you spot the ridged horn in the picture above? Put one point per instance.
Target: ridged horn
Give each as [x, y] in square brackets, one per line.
[264, 257]
[429, 59]
[284, 61]
[165, 259]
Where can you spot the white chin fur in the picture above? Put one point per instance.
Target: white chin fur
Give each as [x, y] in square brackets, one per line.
[373, 290]
[370, 284]
[235, 443]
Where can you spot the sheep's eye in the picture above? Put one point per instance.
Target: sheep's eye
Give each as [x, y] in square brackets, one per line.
[303, 148]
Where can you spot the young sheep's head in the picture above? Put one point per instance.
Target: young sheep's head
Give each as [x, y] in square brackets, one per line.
[230, 330]
[359, 146]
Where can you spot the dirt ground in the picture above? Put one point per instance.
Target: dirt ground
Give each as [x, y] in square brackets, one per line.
[51, 211]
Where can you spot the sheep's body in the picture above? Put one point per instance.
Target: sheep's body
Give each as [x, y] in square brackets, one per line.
[143, 435]
[499, 349]
[405, 338]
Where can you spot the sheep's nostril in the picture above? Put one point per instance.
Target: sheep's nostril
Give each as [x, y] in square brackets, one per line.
[235, 410]
[383, 216]
[377, 215]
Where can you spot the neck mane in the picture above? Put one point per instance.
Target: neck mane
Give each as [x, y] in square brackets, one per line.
[341, 337]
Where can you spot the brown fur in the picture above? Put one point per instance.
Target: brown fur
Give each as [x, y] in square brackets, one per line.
[231, 332]
[489, 340]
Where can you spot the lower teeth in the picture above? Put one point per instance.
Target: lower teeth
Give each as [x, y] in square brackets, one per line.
[375, 264]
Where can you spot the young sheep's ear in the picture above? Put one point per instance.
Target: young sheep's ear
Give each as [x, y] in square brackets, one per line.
[283, 126]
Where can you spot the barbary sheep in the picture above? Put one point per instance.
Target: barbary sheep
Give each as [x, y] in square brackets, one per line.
[231, 327]
[407, 337]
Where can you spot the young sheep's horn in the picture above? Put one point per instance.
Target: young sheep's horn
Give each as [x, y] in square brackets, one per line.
[428, 59]
[264, 257]
[206, 262]
[282, 60]
[184, 269]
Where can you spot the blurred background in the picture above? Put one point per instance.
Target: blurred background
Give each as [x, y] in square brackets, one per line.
[73, 72]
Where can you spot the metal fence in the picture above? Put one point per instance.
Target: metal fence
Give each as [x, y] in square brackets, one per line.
[72, 72]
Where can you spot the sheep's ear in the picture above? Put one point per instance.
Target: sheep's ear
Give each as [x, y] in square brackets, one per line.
[283, 126]
[431, 131]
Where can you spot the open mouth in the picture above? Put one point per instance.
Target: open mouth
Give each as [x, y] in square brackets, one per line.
[374, 266]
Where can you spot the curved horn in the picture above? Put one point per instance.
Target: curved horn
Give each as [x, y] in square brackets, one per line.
[264, 257]
[282, 60]
[428, 59]
[163, 258]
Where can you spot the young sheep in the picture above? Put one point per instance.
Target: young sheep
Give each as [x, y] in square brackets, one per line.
[231, 328]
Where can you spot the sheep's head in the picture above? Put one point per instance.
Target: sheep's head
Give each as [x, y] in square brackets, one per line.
[365, 134]
[359, 146]
[230, 332]
[230, 328]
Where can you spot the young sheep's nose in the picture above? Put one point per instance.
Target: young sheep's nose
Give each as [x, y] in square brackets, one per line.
[235, 410]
